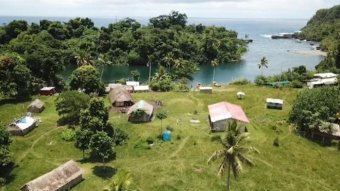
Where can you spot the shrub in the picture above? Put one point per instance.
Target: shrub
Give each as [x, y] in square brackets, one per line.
[121, 81]
[2, 181]
[150, 140]
[260, 80]
[169, 128]
[242, 81]
[296, 84]
[119, 136]
[276, 142]
[68, 135]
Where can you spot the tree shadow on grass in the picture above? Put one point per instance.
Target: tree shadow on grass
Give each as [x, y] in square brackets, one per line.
[104, 172]
[13, 100]
[5, 173]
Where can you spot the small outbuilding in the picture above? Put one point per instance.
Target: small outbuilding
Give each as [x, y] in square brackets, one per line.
[223, 113]
[274, 103]
[240, 95]
[48, 91]
[37, 106]
[63, 178]
[140, 112]
[120, 97]
[206, 89]
[137, 89]
[22, 126]
[132, 83]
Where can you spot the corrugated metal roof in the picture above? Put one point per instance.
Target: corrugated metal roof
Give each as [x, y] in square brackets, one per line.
[224, 110]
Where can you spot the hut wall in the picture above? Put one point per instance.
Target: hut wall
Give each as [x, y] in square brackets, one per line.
[74, 181]
[144, 118]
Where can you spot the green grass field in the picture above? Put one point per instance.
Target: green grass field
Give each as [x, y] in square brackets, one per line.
[298, 164]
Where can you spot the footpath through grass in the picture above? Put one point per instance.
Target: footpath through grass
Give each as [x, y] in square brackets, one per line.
[298, 164]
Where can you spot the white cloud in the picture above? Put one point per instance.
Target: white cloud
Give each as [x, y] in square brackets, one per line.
[146, 8]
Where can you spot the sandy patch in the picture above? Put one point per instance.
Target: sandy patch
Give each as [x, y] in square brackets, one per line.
[310, 52]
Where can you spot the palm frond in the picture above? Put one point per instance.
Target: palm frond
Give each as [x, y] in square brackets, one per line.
[245, 159]
[216, 155]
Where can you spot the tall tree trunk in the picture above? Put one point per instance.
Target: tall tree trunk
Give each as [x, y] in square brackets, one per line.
[161, 126]
[214, 74]
[228, 178]
[149, 72]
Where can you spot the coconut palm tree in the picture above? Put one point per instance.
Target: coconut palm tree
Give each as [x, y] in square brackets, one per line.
[83, 58]
[214, 63]
[263, 64]
[121, 182]
[233, 154]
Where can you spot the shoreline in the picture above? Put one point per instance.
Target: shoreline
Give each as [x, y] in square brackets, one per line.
[309, 52]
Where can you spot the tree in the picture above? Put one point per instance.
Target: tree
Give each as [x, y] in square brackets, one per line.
[233, 153]
[101, 146]
[82, 139]
[313, 107]
[69, 104]
[15, 77]
[86, 78]
[263, 64]
[214, 63]
[95, 117]
[121, 182]
[135, 75]
[162, 115]
[5, 141]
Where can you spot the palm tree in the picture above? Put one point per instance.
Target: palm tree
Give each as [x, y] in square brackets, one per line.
[102, 61]
[234, 153]
[121, 182]
[162, 115]
[214, 63]
[83, 58]
[263, 63]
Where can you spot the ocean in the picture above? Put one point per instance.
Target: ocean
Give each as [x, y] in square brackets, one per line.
[280, 52]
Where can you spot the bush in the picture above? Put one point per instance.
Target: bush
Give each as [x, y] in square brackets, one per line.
[68, 135]
[276, 142]
[2, 181]
[121, 81]
[150, 140]
[312, 107]
[242, 81]
[296, 84]
[119, 136]
[260, 80]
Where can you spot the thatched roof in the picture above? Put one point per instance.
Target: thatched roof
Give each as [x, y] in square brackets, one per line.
[119, 94]
[56, 179]
[141, 105]
[37, 103]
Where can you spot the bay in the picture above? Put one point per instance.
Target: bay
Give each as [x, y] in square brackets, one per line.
[280, 53]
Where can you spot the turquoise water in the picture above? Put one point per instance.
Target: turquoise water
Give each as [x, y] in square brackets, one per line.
[278, 52]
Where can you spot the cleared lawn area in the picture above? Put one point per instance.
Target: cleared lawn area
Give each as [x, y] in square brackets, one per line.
[298, 164]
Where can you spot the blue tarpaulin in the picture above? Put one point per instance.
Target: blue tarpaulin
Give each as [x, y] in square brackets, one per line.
[166, 135]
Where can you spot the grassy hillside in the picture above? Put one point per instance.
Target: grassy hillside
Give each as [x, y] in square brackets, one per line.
[298, 164]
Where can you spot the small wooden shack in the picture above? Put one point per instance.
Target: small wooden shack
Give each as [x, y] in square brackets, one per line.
[47, 91]
[63, 178]
[120, 97]
[206, 89]
[222, 113]
[141, 111]
[274, 103]
[137, 89]
[22, 126]
[37, 106]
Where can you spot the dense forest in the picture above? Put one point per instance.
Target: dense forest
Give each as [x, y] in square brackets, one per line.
[324, 26]
[38, 52]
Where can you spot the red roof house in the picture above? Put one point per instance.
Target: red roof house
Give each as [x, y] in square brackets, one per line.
[221, 113]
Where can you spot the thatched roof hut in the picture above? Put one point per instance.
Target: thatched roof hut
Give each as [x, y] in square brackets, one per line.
[62, 178]
[120, 97]
[140, 112]
[37, 106]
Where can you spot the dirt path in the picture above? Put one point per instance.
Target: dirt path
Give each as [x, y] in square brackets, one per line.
[180, 147]
[19, 159]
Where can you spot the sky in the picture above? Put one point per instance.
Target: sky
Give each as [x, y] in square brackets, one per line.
[150, 8]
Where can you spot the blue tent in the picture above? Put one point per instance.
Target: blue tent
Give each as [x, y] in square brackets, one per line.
[166, 135]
